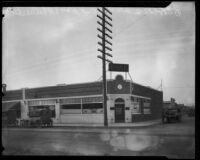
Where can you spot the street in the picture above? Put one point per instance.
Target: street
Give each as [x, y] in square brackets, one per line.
[174, 140]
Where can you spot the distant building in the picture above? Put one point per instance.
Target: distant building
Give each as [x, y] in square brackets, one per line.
[83, 103]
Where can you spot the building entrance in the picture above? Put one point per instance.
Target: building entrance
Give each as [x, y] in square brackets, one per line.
[119, 110]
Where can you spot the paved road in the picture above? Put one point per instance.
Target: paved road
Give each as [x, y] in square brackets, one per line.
[175, 140]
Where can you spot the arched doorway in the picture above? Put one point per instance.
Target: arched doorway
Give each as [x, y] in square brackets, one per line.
[119, 110]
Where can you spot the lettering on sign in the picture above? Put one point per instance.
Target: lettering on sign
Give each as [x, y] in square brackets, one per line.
[118, 67]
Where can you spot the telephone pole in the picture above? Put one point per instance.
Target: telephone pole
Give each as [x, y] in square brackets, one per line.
[104, 23]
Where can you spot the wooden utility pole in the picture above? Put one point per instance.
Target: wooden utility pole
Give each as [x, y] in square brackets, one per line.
[104, 18]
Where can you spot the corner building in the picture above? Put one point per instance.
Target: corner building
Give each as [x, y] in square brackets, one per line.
[127, 102]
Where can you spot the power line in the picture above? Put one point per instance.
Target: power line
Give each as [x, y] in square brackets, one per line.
[69, 58]
[39, 68]
[129, 25]
[53, 59]
[146, 41]
[179, 87]
[56, 60]
[161, 33]
[91, 49]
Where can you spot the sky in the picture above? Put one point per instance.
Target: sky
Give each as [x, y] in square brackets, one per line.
[44, 46]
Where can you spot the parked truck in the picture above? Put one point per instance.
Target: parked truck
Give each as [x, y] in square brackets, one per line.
[171, 112]
[40, 118]
[9, 118]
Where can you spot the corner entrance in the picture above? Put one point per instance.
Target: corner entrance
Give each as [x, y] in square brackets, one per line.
[119, 110]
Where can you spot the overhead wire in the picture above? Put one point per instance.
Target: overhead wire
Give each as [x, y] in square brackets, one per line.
[127, 26]
[56, 60]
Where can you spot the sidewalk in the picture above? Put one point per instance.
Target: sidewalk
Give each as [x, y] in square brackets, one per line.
[113, 125]
[89, 127]
[186, 128]
[93, 128]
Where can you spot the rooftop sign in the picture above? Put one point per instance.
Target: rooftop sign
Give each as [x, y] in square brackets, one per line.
[116, 67]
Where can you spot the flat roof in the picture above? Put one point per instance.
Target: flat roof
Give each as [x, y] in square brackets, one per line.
[84, 83]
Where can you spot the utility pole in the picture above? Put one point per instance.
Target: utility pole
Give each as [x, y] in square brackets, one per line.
[104, 18]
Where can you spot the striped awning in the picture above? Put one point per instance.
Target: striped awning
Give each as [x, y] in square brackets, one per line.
[10, 106]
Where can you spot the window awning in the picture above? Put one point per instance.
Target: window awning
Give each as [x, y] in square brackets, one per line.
[10, 106]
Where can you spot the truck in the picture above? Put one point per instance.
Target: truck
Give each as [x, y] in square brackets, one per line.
[9, 118]
[171, 112]
[40, 118]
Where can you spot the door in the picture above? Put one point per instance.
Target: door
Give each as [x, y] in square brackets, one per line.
[119, 111]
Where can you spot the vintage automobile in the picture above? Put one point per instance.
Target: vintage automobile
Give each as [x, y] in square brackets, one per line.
[9, 118]
[40, 118]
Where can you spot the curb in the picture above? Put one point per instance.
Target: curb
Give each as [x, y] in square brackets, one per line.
[90, 126]
[103, 127]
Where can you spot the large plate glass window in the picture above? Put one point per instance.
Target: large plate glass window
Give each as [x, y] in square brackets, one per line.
[71, 109]
[135, 105]
[35, 111]
[95, 108]
[147, 106]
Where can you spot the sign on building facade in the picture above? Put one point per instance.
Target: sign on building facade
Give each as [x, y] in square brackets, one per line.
[118, 67]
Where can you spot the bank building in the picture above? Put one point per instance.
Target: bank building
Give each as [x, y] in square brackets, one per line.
[127, 102]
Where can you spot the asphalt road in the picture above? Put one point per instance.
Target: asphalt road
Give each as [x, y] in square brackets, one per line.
[175, 140]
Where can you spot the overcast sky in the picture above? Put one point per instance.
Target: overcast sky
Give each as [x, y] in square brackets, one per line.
[50, 46]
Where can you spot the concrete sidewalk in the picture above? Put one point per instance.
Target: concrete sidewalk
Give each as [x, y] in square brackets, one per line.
[113, 125]
[85, 127]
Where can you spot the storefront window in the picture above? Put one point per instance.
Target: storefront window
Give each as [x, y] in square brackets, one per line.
[92, 108]
[135, 106]
[81, 105]
[71, 109]
[35, 111]
[146, 107]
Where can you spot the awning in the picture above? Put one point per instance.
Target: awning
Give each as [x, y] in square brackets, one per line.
[10, 106]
